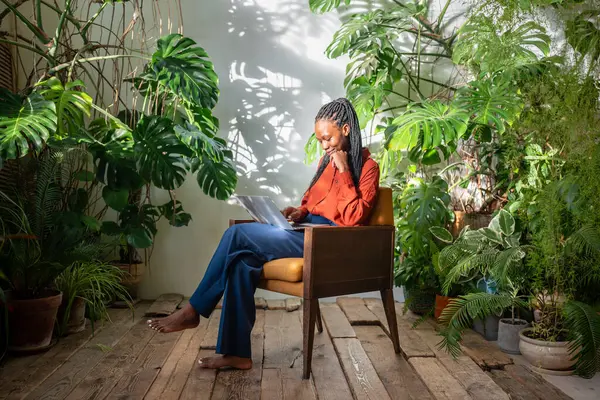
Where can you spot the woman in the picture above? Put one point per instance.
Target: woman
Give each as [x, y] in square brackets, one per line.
[342, 192]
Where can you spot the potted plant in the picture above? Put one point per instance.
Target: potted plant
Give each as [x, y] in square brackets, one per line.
[421, 208]
[87, 288]
[488, 255]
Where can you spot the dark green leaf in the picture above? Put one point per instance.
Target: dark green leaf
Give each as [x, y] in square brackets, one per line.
[78, 200]
[441, 234]
[72, 105]
[84, 176]
[92, 223]
[217, 180]
[111, 228]
[173, 212]
[139, 238]
[115, 198]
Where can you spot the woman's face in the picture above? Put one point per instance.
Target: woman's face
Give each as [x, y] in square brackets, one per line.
[332, 137]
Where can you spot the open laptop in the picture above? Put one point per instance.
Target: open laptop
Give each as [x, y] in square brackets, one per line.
[264, 210]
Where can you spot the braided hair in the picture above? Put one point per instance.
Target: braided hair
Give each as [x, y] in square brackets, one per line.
[341, 112]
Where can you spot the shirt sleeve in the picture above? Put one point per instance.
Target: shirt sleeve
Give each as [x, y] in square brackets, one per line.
[355, 205]
[306, 196]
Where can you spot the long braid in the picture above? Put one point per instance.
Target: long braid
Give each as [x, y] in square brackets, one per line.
[341, 112]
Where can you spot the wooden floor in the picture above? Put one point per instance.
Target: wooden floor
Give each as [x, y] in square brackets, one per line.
[353, 358]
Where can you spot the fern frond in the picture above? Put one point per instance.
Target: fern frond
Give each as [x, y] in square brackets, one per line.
[48, 192]
[506, 261]
[583, 324]
[586, 240]
[467, 265]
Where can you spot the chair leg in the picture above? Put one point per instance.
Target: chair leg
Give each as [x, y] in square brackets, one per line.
[319, 318]
[387, 297]
[310, 309]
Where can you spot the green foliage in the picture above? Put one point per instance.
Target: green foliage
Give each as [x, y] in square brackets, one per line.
[72, 105]
[323, 6]
[583, 323]
[460, 313]
[583, 34]
[25, 123]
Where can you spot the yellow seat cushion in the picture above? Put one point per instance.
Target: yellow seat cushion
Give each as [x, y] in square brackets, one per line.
[291, 288]
[284, 269]
[383, 212]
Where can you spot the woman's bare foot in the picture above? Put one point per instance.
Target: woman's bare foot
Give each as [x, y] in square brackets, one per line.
[223, 361]
[186, 318]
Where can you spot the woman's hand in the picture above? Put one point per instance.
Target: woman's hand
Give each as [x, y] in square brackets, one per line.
[340, 160]
[293, 213]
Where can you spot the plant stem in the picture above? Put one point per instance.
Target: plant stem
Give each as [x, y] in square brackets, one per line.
[91, 20]
[71, 19]
[40, 34]
[59, 28]
[442, 14]
[99, 58]
[7, 10]
[38, 14]
[26, 47]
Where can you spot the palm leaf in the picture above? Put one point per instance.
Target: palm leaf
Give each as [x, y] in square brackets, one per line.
[323, 6]
[159, 152]
[472, 263]
[71, 104]
[583, 324]
[491, 104]
[48, 193]
[25, 123]
[586, 240]
[583, 34]
[431, 123]
[507, 262]
[217, 179]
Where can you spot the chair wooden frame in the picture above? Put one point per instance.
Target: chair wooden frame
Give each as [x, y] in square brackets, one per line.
[341, 261]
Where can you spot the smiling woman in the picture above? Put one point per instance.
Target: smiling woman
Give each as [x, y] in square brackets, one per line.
[334, 197]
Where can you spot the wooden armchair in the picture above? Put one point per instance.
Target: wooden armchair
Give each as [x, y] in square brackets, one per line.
[339, 261]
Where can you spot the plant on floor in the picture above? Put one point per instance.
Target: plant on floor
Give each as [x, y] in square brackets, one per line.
[96, 284]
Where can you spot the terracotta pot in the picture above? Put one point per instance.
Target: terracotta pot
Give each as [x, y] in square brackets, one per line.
[31, 322]
[473, 220]
[440, 303]
[508, 334]
[551, 356]
[76, 322]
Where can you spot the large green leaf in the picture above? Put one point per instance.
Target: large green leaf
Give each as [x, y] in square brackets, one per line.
[201, 136]
[313, 150]
[217, 179]
[25, 123]
[159, 152]
[71, 104]
[426, 202]
[115, 198]
[583, 324]
[480, 43]
[173, 212]
[491, 104]
[182, 68]
[428, 125]
[442, 234]
[323, 6]
[139, 224]
[503, 222]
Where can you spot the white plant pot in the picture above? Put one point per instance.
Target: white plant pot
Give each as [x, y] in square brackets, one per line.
[547, 357]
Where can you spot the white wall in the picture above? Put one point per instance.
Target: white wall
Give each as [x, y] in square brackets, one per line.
[273, 79]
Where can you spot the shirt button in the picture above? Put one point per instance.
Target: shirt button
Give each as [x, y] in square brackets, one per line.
[336, 181]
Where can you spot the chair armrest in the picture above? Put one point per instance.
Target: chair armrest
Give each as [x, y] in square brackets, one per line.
[239, 221]
[344, 260]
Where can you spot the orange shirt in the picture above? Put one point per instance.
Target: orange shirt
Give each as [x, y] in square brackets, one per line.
[335, 197]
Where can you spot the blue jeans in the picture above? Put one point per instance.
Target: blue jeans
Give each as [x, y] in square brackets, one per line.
[234, 272]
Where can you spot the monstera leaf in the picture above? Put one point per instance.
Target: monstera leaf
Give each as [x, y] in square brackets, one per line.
[71, 104]
[25, 123]
[491, 104]
[323, 6]
[313, 150]
[217, 179]
[183, 69]
[173, 211]
[201, 136]
[430, 125]
[426, 202]
[479, 43]
[139, 224]
[159, 153]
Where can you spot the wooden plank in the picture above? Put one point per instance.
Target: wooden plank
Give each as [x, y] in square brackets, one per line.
[283, 339]
[200, 381]
[411, 343]
[166, 304]
[276, 304]
[535, 383]
[438, 380]
[376, 307]
[271, 386]
[244, 384]
[292, 304]
[395, 373]
[356, 311]
[327, 373]
[479, 385]
[173, 375]
[512, 387]
[212, 331]
[283, 351]
[75, 369]
[362, 377]
[484, 353]
[336, 322]
[138, 376]
[105, 375]
[23, 374]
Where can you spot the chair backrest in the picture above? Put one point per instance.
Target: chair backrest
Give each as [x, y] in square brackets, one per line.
[383, 213]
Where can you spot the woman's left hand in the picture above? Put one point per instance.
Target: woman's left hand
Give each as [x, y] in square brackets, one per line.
[340, 160]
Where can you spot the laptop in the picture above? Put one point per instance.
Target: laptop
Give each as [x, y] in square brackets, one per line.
[263, 210]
